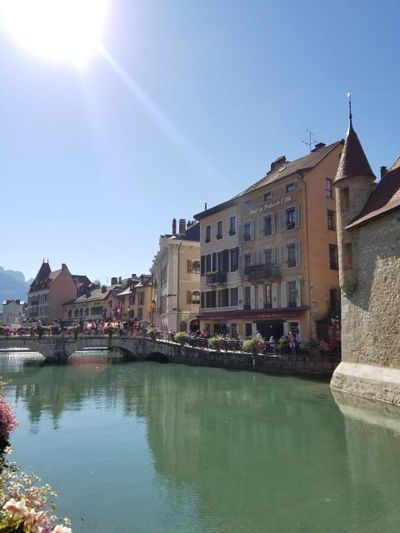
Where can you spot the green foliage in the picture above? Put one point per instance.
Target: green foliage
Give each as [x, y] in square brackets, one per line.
[182, 337]
[216, 342]
[253, 344]
[40, 331]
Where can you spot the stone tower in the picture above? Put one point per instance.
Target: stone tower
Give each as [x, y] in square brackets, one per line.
[354, 182]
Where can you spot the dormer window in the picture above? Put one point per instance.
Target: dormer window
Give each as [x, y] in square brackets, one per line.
[291, 187]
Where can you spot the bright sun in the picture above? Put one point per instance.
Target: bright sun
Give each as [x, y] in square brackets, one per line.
[64, 30]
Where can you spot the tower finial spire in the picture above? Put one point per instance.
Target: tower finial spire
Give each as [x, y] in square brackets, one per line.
[350, 115]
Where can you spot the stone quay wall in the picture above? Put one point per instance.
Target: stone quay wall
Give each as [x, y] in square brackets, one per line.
[59, 349]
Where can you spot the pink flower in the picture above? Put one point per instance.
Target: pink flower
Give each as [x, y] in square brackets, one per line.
[61, 529]
[16, 509]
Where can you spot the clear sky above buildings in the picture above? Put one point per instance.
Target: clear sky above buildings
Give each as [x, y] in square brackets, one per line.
[185, 102]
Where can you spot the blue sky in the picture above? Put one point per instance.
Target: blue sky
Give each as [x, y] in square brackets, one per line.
[203, 95]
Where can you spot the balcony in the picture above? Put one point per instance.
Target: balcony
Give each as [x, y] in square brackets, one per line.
[216, 278]
[262, 272]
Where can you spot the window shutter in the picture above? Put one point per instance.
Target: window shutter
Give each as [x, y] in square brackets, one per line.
[283, 294]
[282, 225]
[202, 265]
[273, 223]
[274, 293]
[283, 255]
[297, 251]
[298, 295]
[188, 297]
[273, 258]
[214, 261]
[297, 214]
[189, 266]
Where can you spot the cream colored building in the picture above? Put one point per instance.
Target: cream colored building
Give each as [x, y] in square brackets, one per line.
[176, 277]
[286, 235]
[13, 312]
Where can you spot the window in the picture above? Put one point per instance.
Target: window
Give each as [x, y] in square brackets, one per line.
[346, 198]
[211, 299]
[331, 220]
[291, 218]
[234, 294]
[248, 231]
[291, 187]
[247, 298]
[219, 229]
[234, 259]
[248, 329]
[196, 297]
[208, 234]
[223, 298]
[267, 225]
[333, 257]
[196, 267]
[247, 204]
[234, 331]
[328, 188]
[291, 255]
[141, 298]
[269, 256]
[348, 256]
[232, 225]
[247, 260]
[267, 196]
[292, 294]
[268, 297]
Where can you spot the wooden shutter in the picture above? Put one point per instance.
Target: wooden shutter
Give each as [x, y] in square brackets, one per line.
[188, 297]
[282, 220]
[297, 215]
[298, 295]
[283, 294]
[272, 223]
[274, 294]
[189, 266]
[297, 252]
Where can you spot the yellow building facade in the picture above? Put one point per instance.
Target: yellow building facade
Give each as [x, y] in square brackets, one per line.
[286, 271]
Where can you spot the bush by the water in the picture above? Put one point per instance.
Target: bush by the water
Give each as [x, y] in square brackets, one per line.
[182, 337]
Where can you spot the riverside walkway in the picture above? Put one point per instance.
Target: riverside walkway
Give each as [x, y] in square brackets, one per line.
[58, 349]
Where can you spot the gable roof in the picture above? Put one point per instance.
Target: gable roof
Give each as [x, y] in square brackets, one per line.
[288, 168]
[281, 169]
[383, 200]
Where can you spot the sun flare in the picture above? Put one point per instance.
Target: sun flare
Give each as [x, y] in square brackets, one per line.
[64, 30]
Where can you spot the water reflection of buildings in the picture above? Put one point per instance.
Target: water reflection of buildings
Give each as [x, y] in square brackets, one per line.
[243, 447]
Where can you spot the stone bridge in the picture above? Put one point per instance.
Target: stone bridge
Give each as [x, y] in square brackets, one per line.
[57, 349]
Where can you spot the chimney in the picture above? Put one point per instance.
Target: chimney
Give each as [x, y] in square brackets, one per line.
[182, 226]
[278, 162]
[174, 226]
[133, 276]
[318, 146]
[120, 280]
[63, 265]
[383, 172]
[114, 281]
[103, 288]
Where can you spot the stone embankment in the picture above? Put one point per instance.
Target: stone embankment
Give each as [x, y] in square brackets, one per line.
[58, 349]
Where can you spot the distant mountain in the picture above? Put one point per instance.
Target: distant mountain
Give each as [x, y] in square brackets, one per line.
[13, 285]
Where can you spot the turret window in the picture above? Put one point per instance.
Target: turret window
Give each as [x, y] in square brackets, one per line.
[346, 198]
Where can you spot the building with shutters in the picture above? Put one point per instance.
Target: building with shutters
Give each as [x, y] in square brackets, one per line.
[269, 258]
[176, 279]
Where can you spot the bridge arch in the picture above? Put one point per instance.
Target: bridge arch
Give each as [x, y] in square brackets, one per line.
[157, 357]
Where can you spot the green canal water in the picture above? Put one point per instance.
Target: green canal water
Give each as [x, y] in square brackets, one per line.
[145, 447]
